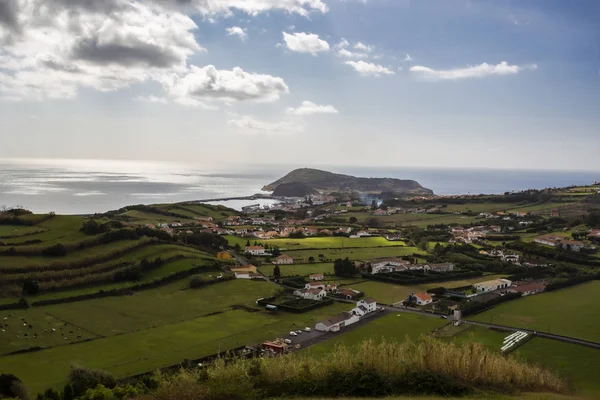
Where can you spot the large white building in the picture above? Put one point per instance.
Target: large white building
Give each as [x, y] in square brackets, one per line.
[311, 294]
[256, 250]
[335, 323]
[388, 265]
[489, 286]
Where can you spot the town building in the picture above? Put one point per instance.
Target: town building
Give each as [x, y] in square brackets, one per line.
[529, 289]
[315, 285]
[369, 303]
[440, 267]
[495, 284]
[349, 294]
[283, 259]
[317, 294]
[316, 277]
[572, 245]
[224, 255]
[423, 299]
[256, 250]
[337, 322]
[549, 240]
[388, 265]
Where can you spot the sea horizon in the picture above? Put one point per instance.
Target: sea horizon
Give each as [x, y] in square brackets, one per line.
[85, 186]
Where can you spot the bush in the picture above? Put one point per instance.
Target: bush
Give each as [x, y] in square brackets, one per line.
[30, 287]
[82, 379]
[58, 250]
[12, 387]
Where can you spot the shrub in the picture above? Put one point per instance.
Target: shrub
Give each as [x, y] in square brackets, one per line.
[12, 387]
[58, 250]
[82, 379]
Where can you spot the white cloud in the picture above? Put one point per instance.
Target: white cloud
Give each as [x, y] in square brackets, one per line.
[237, 31]
[349, 54]
[254, 7]
[407, 58]
[363, 47]
[209, 83]
[56, 47]
[301, 42]
[150, 99]
[476, 71]
[251, 125]
[369, 69]
[308, 108]
[342, 44]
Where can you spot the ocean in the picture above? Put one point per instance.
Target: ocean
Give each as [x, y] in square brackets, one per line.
[88, 186]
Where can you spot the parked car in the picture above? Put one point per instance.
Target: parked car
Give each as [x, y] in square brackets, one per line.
[292, 333]
[287, 341]
[299, 331]
[307, 329]
[444, 317]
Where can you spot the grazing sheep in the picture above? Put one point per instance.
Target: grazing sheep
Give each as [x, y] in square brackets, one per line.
[30, 326]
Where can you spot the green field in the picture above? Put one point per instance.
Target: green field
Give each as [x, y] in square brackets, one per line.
[490, 338]
[298, 269]
[60, 228]
[395, 326]
[365, 253]
[388, 293]
[17, 230]
[570, 312]
[144, 350]
[326, 242]
[578, 364]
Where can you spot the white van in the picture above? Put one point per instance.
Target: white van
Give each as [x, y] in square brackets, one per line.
[287, 341]
[307, 329]
[292, 333]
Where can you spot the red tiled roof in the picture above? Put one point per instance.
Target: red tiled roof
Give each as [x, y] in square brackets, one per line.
[424, 296]
[529, 287]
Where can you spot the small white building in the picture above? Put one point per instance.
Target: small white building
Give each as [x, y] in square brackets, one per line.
[256, 250]
[316, 277]
[315, 285]
[489, 286]
[337, 322]
[369, 303]
[283, 259]
[440, 267]
[549, 240]
[423, 299]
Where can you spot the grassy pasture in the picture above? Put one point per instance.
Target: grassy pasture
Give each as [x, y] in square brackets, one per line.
[17, 230]
[163, 345]
[299, 269]
[479, 207]
[395, 326]
[327, 242]
[570, 312]
[143, 217]
[216, 213]
[72, 256]
[147, 309]
[60, 228]
[14, 328]
[365, 253]
[578, 364]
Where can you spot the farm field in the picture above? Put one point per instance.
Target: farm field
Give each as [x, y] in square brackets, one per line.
[479, 207]
[365, 253]
[540, 207]
[217, 212]
[489, 338]
[73, 256]
[144, 217]
[144, 350]
[445, 219]
[578, 364]
[151, 308]
[298, 269]
[570, 312]
[17, 230]
[388, 293]
[326, 242]
[60, 228]
[395, 326]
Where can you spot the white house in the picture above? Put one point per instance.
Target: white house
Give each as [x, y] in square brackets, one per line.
[256, 250]
[440, 267]
[335, 323]
[316, 277]
[359, 310]
[549, 240]
[315, 285]
[489, 286]
[573, 245]
[423, 299]
[283, 259]
[369, 303]
[388, 265]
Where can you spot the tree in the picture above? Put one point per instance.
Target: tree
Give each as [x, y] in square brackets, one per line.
[344, 267]
[311, 259]
[83, 379]
[30, 287]
[276, 252]
[247, 243]
[68, 393]
[353, 220]
[593, 219]
[276, 272]
[373, 222]
[374, 204]
[237, 248]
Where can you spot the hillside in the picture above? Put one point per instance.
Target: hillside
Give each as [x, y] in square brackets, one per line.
[304, 181]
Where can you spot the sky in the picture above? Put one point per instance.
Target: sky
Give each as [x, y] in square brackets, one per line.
[439, 83]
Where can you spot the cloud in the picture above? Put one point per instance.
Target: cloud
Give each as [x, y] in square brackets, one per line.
[308, 108]
[369, 69]
[301, 42]
[237, 31]
[210, 83]
[363, 47]
[342, 44]
[150, 99]
[348, 54]
[52, 48]
[476, 71]
[252, 125]
[254, 7]
[407, 58]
